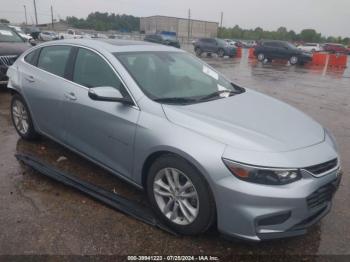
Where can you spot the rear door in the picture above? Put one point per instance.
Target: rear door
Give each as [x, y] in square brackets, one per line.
[44, 87]
[102, 130]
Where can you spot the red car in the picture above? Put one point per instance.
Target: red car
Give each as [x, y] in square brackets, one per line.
[335, 48]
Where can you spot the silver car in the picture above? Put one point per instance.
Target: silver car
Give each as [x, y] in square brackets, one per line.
[205, 150]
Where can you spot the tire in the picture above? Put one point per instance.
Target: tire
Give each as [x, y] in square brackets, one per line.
[169, 204]
[221, 52]
[293, 60]
[22, 119]
[198, 51]
[261, 57]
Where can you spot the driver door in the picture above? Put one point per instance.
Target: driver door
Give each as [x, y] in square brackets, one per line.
[104, 131]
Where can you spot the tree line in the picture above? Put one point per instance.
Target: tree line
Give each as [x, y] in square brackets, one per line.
[126, 23]
[306, 35]
[106, 21]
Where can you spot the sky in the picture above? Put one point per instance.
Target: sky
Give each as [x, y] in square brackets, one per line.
[330, 17]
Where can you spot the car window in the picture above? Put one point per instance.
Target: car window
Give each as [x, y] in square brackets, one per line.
[91, 70]
[30, 57]
[8, 35]
[54, 59]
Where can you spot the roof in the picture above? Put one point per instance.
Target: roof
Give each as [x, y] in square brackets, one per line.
[115, 45]
[180, 18]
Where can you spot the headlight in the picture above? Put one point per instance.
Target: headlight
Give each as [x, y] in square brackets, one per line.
[262, 175]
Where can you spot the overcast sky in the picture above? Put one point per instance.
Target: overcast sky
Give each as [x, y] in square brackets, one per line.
[330, 17]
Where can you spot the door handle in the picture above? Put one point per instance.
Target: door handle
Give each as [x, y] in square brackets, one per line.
[70, 96]
[30, 79]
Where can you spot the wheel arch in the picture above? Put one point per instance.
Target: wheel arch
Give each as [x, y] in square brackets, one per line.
[153, 156]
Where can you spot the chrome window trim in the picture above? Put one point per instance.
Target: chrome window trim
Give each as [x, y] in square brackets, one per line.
[135, 106]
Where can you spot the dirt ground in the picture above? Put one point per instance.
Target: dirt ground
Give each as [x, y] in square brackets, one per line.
[41, 216]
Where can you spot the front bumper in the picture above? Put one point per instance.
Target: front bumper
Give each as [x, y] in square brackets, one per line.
[259, 212]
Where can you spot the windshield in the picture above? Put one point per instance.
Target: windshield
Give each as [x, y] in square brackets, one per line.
[8, 35]
[175, 75]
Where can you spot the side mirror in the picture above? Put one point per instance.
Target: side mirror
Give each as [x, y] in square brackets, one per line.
[108, 94]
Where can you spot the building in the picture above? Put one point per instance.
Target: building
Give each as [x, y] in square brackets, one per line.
[57, 26]
[182, 26]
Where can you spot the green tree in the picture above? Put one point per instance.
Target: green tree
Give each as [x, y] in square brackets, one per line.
[4, 21]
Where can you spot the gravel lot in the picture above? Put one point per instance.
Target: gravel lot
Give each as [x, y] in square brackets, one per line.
[41, 216]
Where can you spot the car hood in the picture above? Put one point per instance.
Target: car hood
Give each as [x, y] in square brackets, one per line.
[7, 48]
[249, 121]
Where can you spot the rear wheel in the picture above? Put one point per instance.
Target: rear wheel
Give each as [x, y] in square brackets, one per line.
[261, 57]
[221, 52]
[21, 118]
[293, 60]
[180, 195]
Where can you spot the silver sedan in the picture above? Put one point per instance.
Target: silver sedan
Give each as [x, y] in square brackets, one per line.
[205, 150]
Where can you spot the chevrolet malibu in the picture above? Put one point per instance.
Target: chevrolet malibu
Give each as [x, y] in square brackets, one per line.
[205, 150]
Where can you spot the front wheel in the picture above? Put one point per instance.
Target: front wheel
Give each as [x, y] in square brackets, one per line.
[293, 60]
[198, 51]
[180, 195]
[21, 118]
[261, 57]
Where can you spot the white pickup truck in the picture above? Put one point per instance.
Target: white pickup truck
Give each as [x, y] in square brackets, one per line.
[73, 34]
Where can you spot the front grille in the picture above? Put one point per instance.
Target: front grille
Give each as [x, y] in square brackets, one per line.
[322, 168]
[7, 60]
[322, 195]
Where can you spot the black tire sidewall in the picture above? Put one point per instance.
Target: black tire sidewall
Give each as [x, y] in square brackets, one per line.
[31, 133]
[198, 51]
[207, 208]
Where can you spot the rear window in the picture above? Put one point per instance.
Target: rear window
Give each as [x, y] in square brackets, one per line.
[30, 57]
[54, 59]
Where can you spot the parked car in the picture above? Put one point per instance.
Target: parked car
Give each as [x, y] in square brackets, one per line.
[250, 44]
[273, 49]
[71, 34]
[214, 45]
[26, 37]
[48, 36]
[231, 42]
[33, 31]
[310, 47]
[348, 50]
[162, 120]
[163, 39]
[11, 46]
[335, 48]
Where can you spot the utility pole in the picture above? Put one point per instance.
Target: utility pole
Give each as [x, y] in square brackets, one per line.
[189, 25]
[25, 14]
[36, 14]
[51, 17]
[222, 16]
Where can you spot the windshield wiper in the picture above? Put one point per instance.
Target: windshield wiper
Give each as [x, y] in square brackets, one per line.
[218, 94]
[175, 100]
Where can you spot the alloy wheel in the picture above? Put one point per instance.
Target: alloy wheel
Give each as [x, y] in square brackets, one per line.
[176, 196]
[20, 117]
